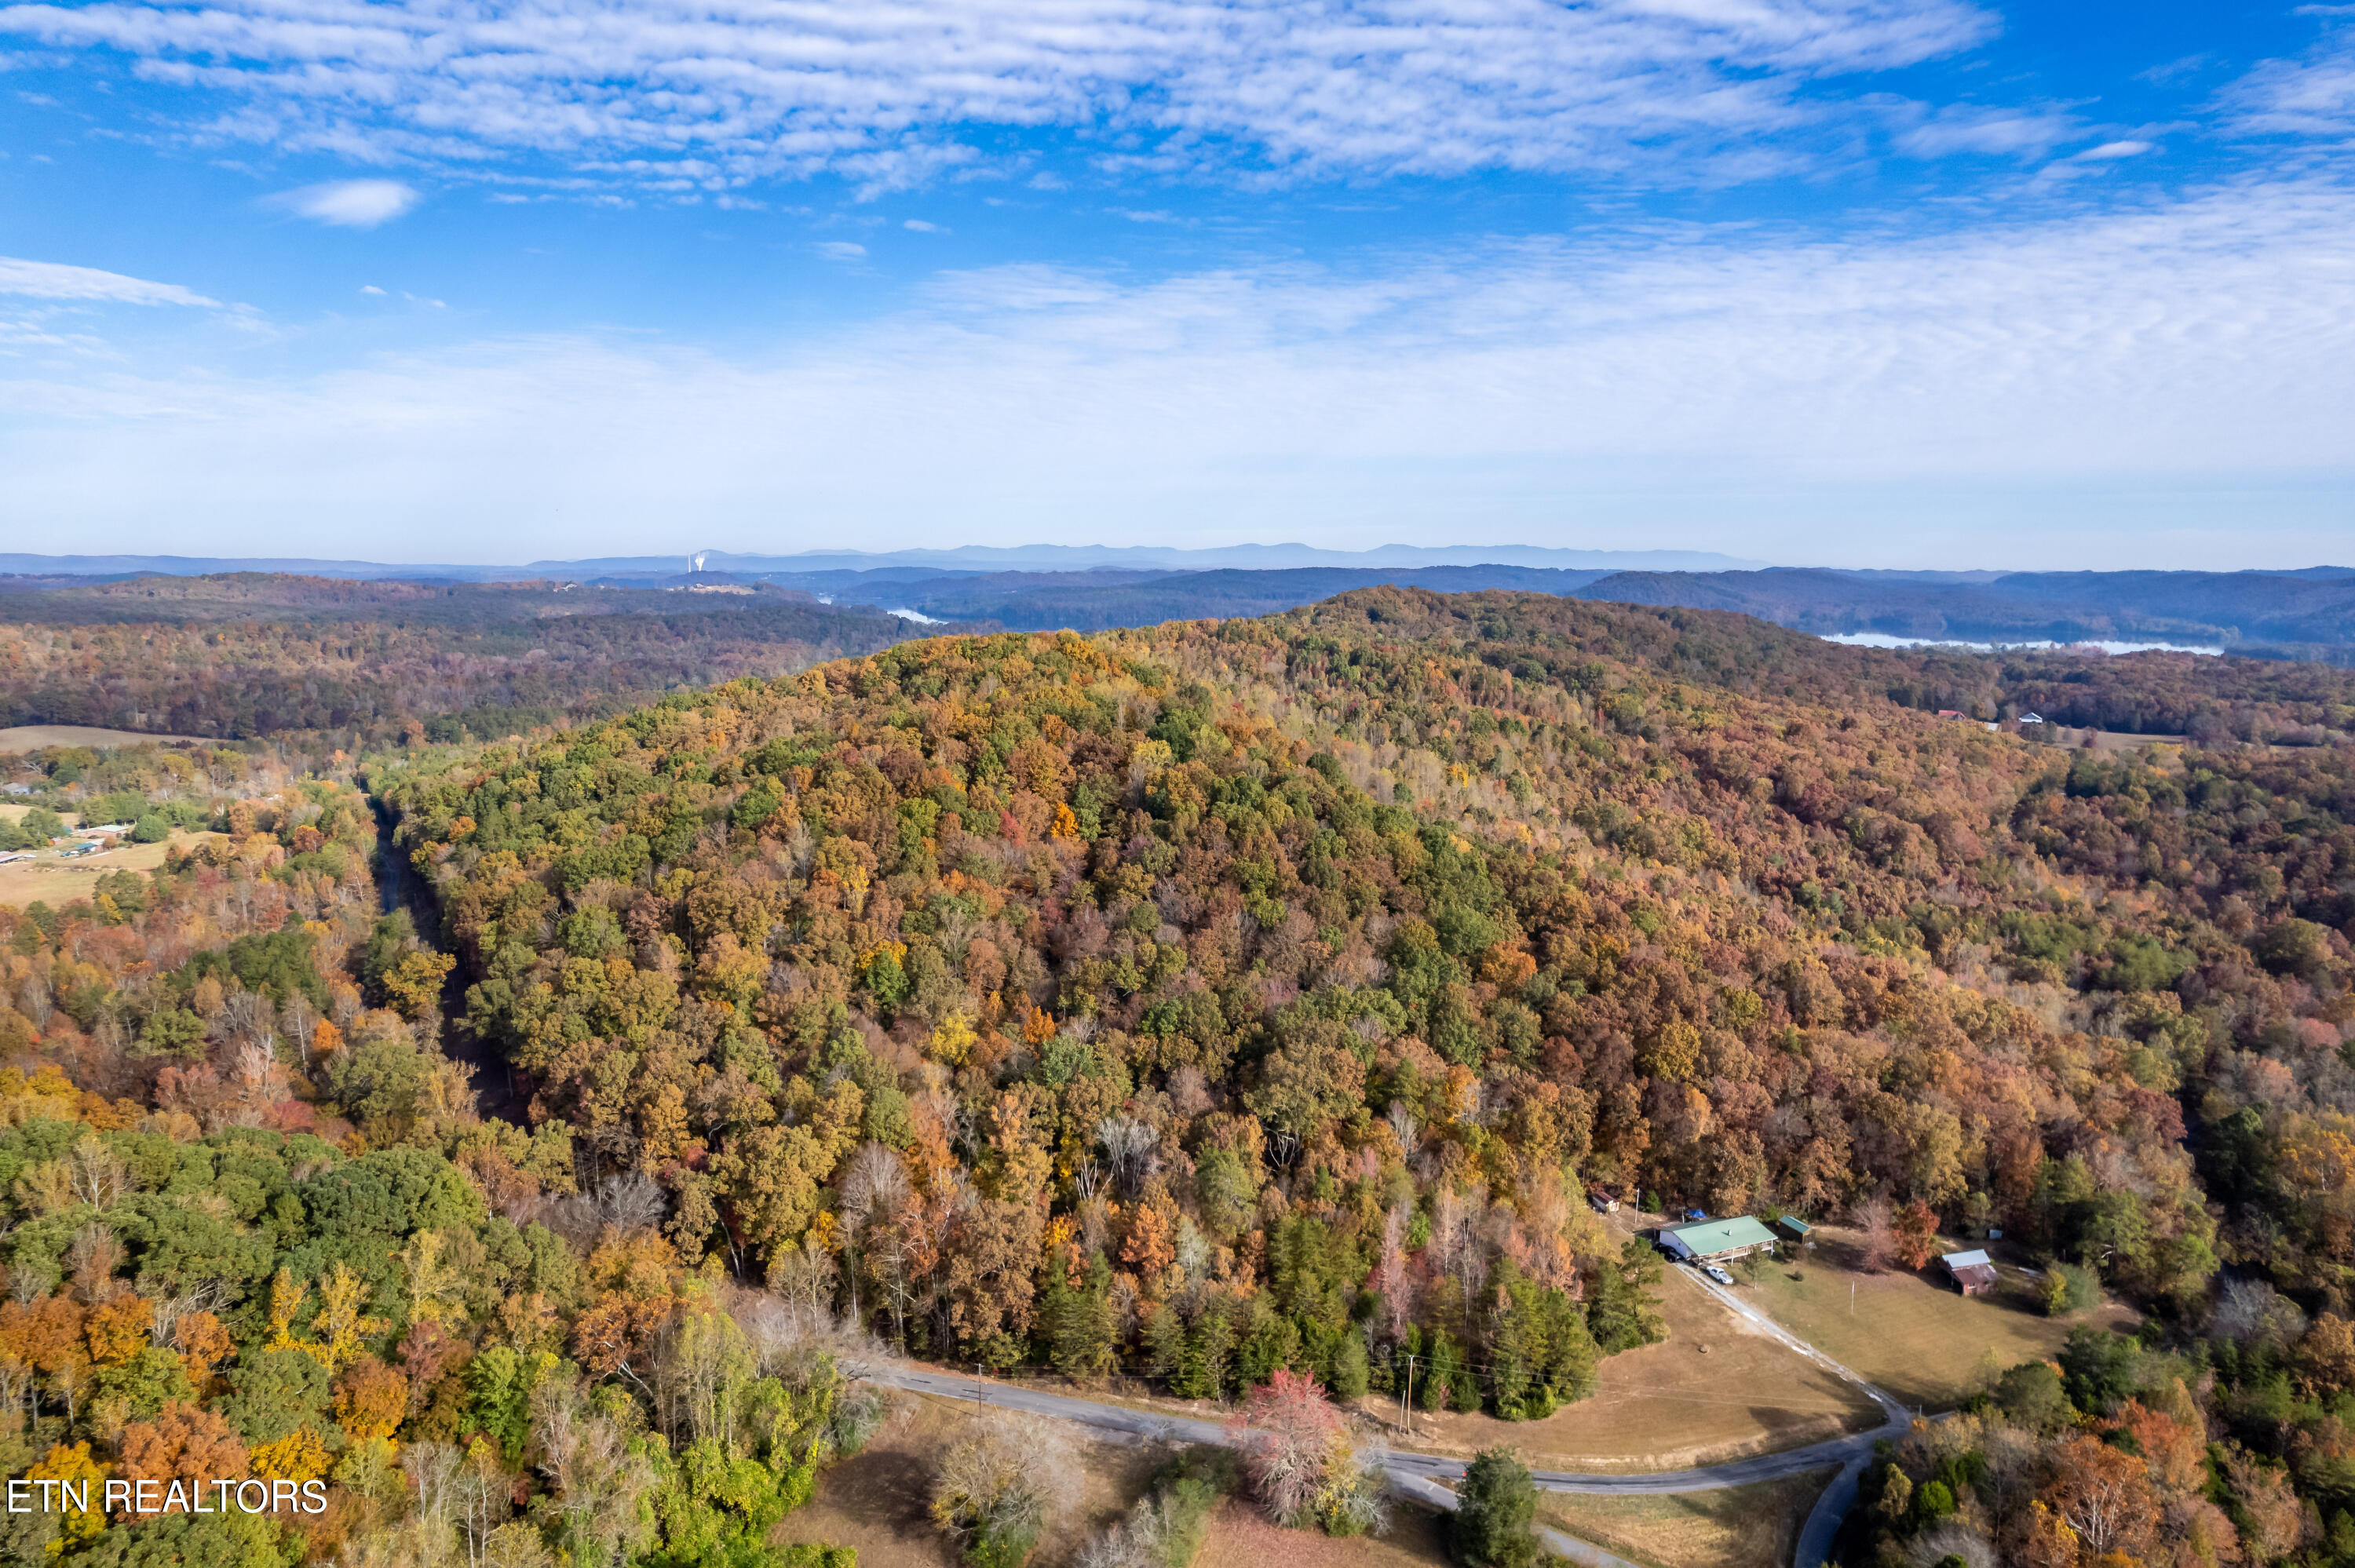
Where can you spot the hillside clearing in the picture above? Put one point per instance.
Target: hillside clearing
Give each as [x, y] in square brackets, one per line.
[1737, 1527]
[57, 882]
[26, 738]
[1911, 1333]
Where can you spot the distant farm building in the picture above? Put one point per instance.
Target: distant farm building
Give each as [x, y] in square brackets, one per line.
[1952, 713]
[1972, 1272]
[1716, 1241]
[1795, 1227]
[2032, 718]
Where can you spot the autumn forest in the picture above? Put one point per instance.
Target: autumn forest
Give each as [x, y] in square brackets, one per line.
[531, 1127]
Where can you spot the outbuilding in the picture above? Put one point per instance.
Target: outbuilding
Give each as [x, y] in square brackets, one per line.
[1972, 1272]
[1795, 1228]
[1716, 1241]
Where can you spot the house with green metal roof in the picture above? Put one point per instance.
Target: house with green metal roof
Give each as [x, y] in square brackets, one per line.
[1714, 1241]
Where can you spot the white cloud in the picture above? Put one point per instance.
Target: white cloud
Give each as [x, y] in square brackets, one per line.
[371, 288]
[2109, 151]
[2176, 366]
[840, 251]
[875, 91]
[351, 204]
[55, 281]
[1968, 128]
[2313, 96]
[918, 225]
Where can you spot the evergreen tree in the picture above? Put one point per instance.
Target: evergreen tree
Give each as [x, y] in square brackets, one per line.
[1495, 1512]
[1083, 1323]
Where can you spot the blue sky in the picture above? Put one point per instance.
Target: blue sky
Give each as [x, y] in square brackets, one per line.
[1894, 282]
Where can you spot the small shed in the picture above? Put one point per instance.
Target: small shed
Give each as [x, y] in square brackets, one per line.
[1972, 1272]
[1715, 1240]
[2032, 718]
[1795, 1228]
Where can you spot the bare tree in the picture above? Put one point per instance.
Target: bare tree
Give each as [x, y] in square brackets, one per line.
[874, 1185]
[1402, 1125]
[1951, 1542]
[1880, 1235]
[598, 1482]
[2252, 1311]
[1002, 1484]
[433, 1471]
[98, 1179]
[1130, 1146]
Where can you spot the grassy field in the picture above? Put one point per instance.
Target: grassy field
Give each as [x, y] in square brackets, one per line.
[34, 736]
[1911, 1333]
[1715, 1388]
[57, 882]
[1739, 1527]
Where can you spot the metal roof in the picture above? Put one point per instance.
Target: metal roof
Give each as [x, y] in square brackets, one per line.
[1965, 1259]
[1712, 1237]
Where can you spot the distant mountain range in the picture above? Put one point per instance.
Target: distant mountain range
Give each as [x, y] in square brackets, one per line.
[2314, 608]
[2308, 613]
[974, 558]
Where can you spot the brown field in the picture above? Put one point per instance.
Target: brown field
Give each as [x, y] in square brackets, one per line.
[1715, 1388]
[1739, 1527]
[876, 1502]
[1242, 1537]
[56, 882]
[34, 736]
[1911, 1333]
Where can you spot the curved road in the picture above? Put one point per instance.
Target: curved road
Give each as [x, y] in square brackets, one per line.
[1421, 1475]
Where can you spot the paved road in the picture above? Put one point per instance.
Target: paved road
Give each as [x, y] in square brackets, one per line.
[1120, 1421]
[1423, 1476]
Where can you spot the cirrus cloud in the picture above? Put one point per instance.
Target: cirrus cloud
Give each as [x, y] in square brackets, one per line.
[883, 90]
[2174, 361]
[57, 280]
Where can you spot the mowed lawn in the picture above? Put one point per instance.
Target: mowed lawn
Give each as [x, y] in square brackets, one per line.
[1716, 1389]
[1912, 1334]
[1738, 1527]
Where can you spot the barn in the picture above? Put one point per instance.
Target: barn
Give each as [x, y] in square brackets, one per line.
[1972, 1272]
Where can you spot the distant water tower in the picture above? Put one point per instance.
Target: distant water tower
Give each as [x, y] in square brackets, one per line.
[698, 563]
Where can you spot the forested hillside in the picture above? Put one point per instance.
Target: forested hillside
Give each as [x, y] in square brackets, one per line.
[1207, 1000]
[250, 655]
[256, 1234]
[1259, 992]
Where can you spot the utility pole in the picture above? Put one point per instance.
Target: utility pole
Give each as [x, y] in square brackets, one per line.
[978, 1399]
[1406, 1399]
